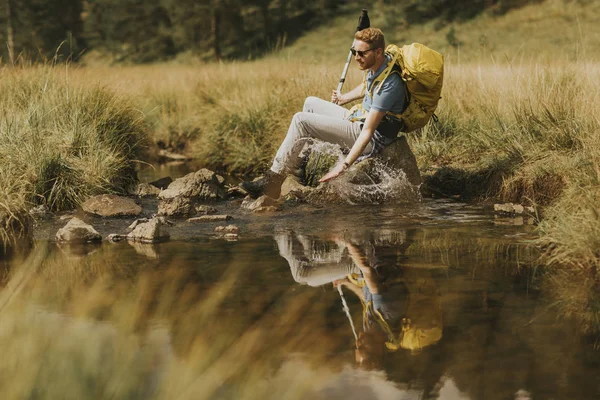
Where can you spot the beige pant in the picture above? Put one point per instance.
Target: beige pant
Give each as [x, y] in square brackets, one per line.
[321, 120]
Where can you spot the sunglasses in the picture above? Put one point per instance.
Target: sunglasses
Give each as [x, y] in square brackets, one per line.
[361, 53]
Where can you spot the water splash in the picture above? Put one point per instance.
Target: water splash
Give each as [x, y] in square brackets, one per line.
[372, 183]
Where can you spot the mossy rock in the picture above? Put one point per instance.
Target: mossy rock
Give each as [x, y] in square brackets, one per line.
[397, 156]
[317, 165]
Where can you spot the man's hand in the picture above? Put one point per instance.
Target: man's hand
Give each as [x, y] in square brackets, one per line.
[334, 173]
[337, 98]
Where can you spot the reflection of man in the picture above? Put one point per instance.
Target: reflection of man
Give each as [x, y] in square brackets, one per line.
[398, 311]
[314, 262]
[383, 301]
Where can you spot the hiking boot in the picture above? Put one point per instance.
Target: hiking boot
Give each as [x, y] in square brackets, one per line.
[269, 184]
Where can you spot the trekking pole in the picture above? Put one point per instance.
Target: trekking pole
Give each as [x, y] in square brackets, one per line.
[363, 23]
[347, 310]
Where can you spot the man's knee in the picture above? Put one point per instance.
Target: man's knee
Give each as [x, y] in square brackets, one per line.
[309, 103]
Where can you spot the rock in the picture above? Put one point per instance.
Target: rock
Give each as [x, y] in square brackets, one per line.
[229, 232]
[291, 185]
[77, 231]
[397, 156]
[145, 190]
[210, 218]
[220, 179]
[136, 222]
[176, 207]
[110, 205]
[172, 156]
[199, 185]
[162, 183]
[227, 229]
[236, 191]
[205, 210]
[262, 201]
[510, 208]
[151, 231]
[115, 237]
[265, 210]
[231, 236]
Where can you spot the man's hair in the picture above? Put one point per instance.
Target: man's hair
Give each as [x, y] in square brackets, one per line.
[373, 36]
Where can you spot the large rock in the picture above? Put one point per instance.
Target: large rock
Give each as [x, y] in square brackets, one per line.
[77, 231]
[393, 174]
[397, 156]
[151, 231]
[200, 185]
[110, 205]
[176, 207]
[145, 190]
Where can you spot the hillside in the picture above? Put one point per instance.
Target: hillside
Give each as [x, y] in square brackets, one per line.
[551, 30]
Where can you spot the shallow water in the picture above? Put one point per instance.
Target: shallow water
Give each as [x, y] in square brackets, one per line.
[258, 317]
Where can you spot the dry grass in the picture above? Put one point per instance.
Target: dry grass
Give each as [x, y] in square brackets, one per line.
[60, 142]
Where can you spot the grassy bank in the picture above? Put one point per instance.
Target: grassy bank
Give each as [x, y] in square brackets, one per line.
[61, 140]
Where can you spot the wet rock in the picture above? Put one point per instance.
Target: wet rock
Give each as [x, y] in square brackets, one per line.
[236, 192]
[110, 205]
[199, 185]
[145, 190]
[513, 209]
[265, 210]
[254, 204]
[168, 155]
[229, 232]
[115, 237]
[151, 231]
[163, 220]
[292, 186]
[162, 183]
[205, 210]
[176, 207]
[210, 218]
[66, 217]
[227, 229]
[77, 231]
[397, 156]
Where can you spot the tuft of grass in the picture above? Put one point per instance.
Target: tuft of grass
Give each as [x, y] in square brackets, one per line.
[61, 141]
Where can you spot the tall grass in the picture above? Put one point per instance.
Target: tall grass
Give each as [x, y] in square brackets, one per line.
[62, 141]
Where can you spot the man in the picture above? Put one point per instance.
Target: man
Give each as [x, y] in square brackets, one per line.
[364, 132]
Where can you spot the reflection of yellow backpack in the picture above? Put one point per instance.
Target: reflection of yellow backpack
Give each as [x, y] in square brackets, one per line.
[422, 70]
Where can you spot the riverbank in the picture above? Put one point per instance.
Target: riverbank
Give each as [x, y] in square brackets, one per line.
[524, 134]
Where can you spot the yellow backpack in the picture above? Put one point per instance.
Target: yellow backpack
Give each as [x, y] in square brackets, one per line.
[422, 70]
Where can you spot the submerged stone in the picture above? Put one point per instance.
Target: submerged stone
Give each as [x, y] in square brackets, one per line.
[254, 204]
[210, 218]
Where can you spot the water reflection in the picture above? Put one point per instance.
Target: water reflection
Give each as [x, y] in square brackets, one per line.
[400, 306]
[439, 312]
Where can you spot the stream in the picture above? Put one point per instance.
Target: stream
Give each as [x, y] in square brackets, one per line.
[277, 313]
